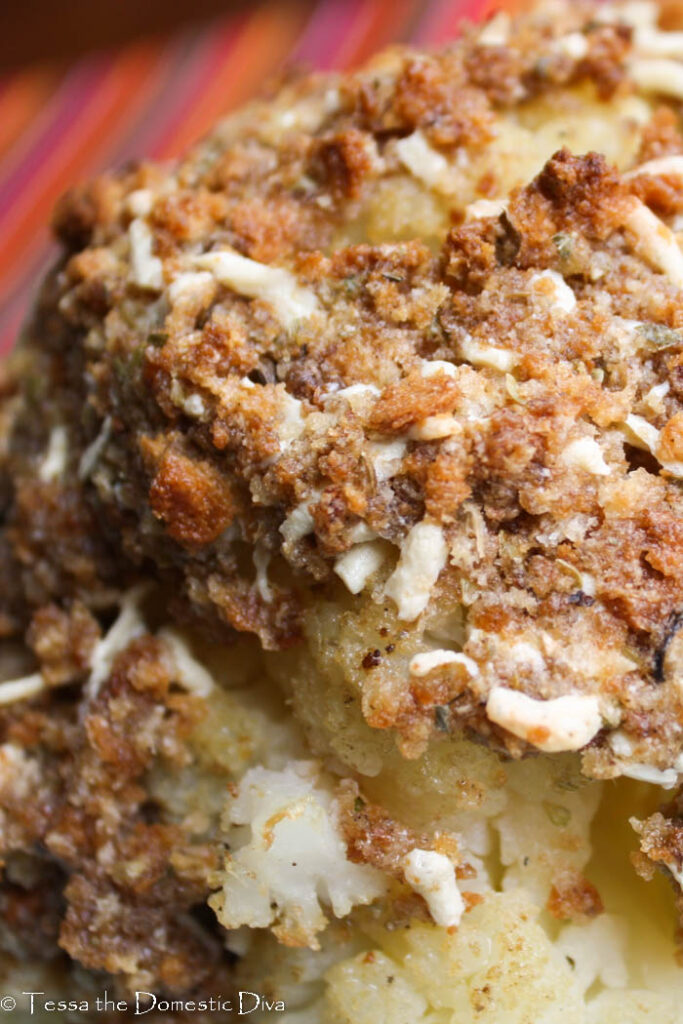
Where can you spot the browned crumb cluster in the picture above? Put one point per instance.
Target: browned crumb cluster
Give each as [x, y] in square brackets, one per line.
[75, 791]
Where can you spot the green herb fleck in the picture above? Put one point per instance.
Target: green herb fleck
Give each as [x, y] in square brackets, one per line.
[512, 389]
[658, 335]
[137, 357]
[358, 804]
[34, 387]
[441, 718]
[564, 244]
[558, 815]
[120, 367]
[157, 338]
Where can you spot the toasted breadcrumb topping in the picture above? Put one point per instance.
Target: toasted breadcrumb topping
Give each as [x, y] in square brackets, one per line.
[266, 362]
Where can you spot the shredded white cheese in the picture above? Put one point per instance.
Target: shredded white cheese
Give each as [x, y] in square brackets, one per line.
[639, 14]
[361, 532]
[357, 565]
[292, 422]
[21, 689]
[299, 522]
[564, 300]
[641, 433]
[127, 627]
[620, 743]
[54, 462]
[274, 285]
[91, 454]
[666, 778]
[574, 45]
[663, 76]
[194, 406]
[422, 664]
[585, 453]
[524, 654]
[432, 875]
[423, 556]
[487, 355]
[425, 163]
[261, 558]
[139, 203]
[671, 165]
[191, 674]
[623, 747]
[588, 584]
[565, 723]
[496, 31]
[654, 43]
[676, 870]
[654, 241]
[191, 285]
[433, 428]
[386, 457]
[433, 367]
[485, 208]
[673, 468]
[356, 395]
[146, 269]
[645, 435]
[654, 398]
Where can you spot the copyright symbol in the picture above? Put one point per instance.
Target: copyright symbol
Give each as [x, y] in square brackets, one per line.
[8, 1003]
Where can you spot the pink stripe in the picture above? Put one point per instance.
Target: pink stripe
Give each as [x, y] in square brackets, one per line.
[213, 49]
[182, 60]
[14, 313]
[444, 23]
[74, 95]
[326, 32]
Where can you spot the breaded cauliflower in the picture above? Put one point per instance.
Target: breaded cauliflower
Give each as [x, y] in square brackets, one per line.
[342, 544]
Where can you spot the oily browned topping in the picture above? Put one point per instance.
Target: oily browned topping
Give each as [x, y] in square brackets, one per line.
[251, 393]
[382, 374]
[76, 792]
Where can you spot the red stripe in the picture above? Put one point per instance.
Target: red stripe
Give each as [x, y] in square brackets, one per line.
[324, 36]
[77, 91]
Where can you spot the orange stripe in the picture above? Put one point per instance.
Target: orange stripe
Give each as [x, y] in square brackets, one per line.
[24, 95]
[259, 51]
[71, 160]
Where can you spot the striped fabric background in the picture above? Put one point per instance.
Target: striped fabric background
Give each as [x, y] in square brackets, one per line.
[61, 125]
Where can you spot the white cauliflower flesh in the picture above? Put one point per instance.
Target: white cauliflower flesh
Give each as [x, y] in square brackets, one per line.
[290, 857]
[499, 967]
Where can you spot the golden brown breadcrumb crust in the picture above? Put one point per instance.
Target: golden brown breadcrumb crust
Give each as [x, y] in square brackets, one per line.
[130, 882]
[199, 419]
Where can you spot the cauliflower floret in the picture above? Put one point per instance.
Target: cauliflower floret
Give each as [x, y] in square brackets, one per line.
[499, 967]
[288, 855]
